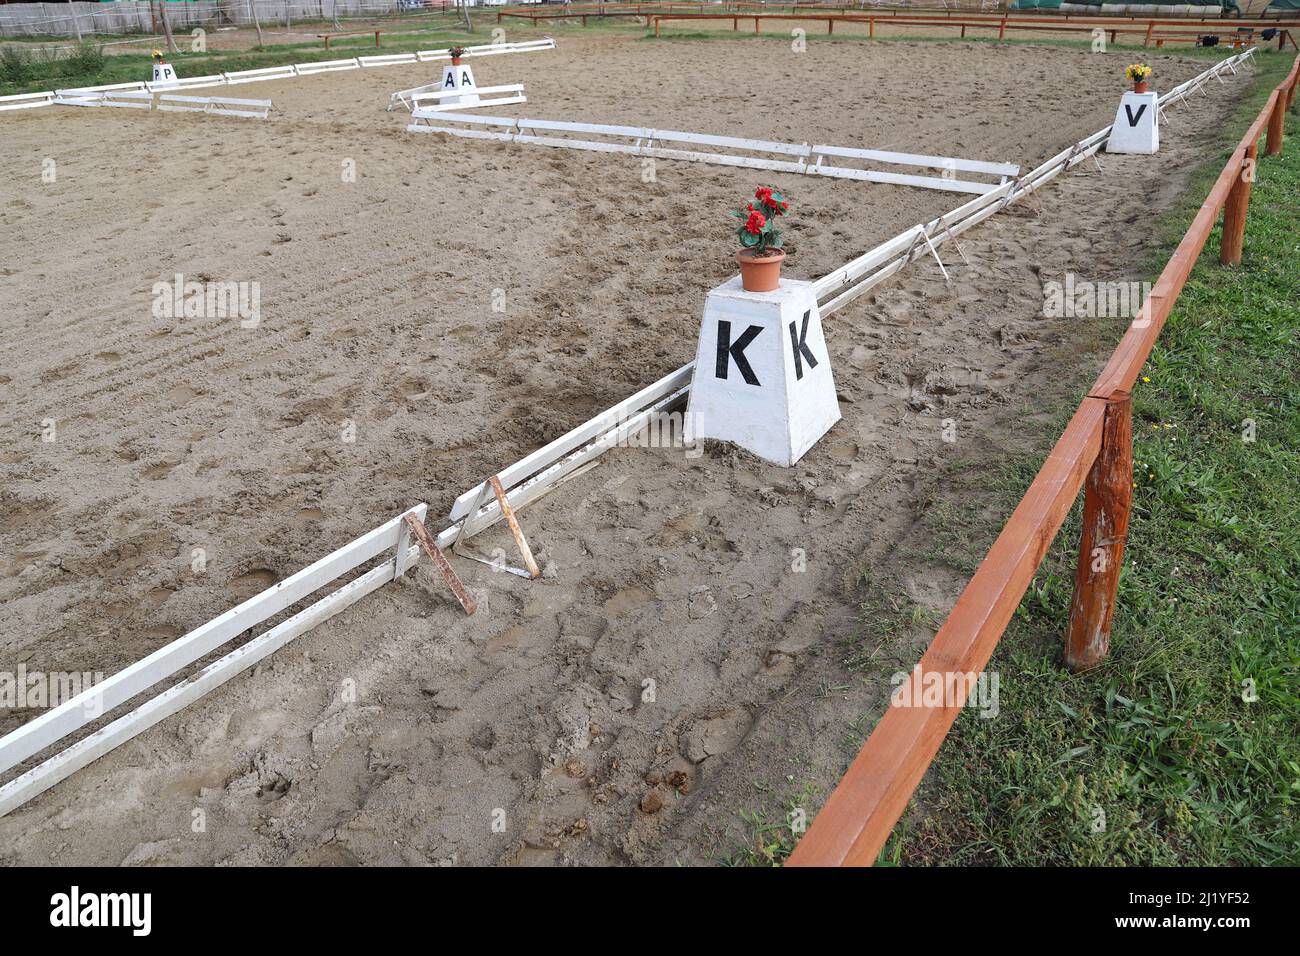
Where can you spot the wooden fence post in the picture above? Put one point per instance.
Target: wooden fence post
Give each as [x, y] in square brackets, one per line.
[1107, 499]
[1273, 145]
[1234, 210]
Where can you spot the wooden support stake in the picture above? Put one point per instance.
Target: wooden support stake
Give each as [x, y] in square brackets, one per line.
[440, 559]
[509, 513]
[1273, 145]
[1234, 211]
[1107, 500]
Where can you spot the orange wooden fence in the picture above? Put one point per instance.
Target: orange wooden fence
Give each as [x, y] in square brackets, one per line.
[1096, 449]
[1158, 30]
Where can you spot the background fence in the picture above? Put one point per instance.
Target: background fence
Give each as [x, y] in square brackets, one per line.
[134, 16]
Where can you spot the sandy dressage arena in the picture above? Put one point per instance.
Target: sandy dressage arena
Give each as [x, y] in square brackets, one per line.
[672, 669]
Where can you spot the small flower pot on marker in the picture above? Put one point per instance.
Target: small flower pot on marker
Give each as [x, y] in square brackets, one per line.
[760, 272]
[456, 53]
[760, 259]
[1138, 73]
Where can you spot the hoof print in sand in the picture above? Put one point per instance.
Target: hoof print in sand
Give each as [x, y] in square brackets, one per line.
[716, 734]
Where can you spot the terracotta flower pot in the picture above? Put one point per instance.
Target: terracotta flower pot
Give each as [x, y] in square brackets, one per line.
[1140, 87]
[455, 61]
[760, 273]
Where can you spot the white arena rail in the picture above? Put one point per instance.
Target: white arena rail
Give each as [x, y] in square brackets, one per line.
[511, 93]
[393, 538]
[27, 101]
[214, 105]
[286, 72]
[257, 76]
[533, 476]
[326, 66]
[727, 150]
[387, 59]
[129, 99]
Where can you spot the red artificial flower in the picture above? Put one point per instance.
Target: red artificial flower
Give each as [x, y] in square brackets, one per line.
[755, 223]
[764, 195]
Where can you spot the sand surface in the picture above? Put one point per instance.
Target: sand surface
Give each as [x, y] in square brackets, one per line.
[380, 375]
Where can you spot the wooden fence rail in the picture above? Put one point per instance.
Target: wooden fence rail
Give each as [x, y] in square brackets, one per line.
[1157, 30]
[1096, 450]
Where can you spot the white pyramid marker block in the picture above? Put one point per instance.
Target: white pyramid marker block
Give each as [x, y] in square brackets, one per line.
[762, 374]
[163, 73]
[1137, 125]
[459, 78]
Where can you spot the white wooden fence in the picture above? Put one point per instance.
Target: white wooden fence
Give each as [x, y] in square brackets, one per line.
[722, 150]
[22, 101]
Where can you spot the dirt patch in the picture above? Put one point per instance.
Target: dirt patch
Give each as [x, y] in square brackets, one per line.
[691, 638]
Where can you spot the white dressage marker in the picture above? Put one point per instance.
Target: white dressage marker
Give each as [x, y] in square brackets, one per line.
[762, 372]
[164, 72]
[727, 150]
[1137, 125]
[458, 83]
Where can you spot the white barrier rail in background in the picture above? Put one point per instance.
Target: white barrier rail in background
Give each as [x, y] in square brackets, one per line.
[48, 98]
[514, 93]
[799, 158]
[214, 105]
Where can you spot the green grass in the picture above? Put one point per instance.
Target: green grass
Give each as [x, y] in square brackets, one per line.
[1157, 757]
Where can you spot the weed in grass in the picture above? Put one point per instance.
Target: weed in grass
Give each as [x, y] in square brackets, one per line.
[87, 59]
[16, 64]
